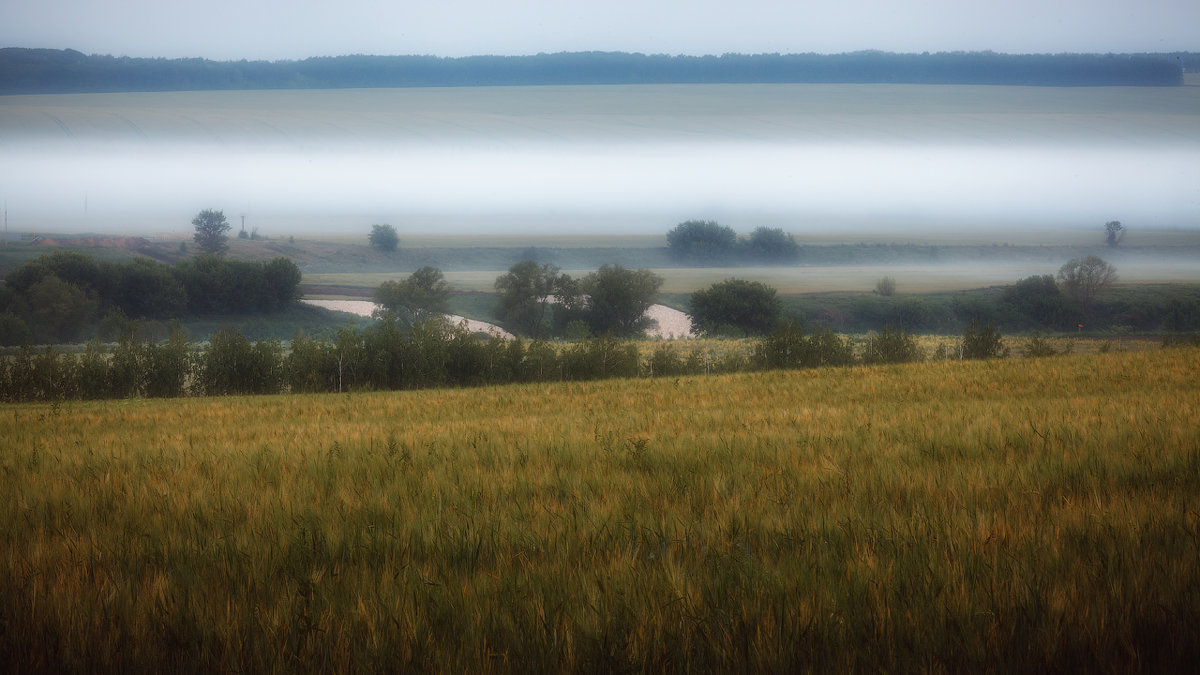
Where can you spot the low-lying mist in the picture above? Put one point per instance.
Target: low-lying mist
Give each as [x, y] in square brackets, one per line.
[643, 187]
[596, 159]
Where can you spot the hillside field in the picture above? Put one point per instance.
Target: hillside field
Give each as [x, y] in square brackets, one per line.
[1015, 515]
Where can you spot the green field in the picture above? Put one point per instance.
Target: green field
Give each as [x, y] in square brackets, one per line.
[808, 279]
[776, 112]
[948, 516]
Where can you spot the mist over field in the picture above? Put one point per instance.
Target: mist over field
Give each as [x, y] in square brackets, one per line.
[604, 159]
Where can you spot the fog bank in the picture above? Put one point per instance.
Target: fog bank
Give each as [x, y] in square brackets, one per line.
[614, 159]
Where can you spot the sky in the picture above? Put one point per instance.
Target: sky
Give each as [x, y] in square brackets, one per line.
[296, 29]
[162, 179]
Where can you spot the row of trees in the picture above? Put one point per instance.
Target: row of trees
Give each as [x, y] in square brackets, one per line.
[388, 355]
[739, 307]
[539, 300]
[59, 71]
[706, 242]
[58, 297]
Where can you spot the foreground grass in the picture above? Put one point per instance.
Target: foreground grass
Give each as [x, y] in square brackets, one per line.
[1015, 515]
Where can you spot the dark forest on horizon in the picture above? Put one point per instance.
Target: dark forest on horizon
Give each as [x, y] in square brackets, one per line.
[46, 71]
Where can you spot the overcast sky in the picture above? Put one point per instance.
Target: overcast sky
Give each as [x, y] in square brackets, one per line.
[294, 29]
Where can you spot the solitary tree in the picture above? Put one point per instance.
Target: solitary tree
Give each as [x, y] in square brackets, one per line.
[737, 306]
[1084, 278]
[383, 237]
[421, 294]
[211, 227]
[1114, 232]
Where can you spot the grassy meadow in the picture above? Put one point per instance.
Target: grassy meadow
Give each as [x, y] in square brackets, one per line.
[913, 278]
[1012, 515]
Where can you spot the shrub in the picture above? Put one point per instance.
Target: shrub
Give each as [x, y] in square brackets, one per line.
[665, 362]
[1038, 347]
[787, 347]
[600, 358]
[982, 343]
[891, 345]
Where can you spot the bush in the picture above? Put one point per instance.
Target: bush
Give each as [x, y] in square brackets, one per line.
[600, 358]
[891, 346]
[665, 362]
[985, 343]
[787, 347]
[1038, 347]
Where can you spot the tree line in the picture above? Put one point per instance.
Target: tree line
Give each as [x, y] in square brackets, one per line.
[539, 300]
[388, 356]
[1080, 297]
[706, 242]
[60, 297]
[29, 71]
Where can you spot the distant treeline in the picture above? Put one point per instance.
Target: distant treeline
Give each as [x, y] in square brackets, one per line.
[30, 71]
[1032, 304]
[57, 297]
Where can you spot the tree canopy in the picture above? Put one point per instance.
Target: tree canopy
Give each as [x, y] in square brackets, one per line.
[702, 241]
[1040, 299]
[771, 244]
[421, 294]
[618, 299]
[735, 306]
[55, 297]
[1084, 278]
[525, 292]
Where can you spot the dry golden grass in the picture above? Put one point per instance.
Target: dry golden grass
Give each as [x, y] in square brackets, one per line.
[1010, 515]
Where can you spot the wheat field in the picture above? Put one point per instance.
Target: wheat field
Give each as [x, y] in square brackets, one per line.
[1013, 515]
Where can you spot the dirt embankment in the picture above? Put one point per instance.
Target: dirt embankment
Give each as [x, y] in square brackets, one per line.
[161, 251]
[129, 243]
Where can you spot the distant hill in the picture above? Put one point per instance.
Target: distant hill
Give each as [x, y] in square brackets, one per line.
[38, 71]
